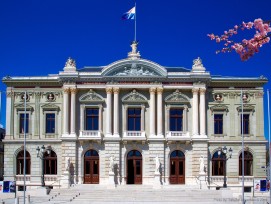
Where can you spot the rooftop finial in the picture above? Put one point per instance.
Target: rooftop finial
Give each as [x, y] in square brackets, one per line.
[134, 54]
[70, 65]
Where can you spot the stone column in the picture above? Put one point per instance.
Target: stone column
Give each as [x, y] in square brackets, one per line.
[9, 114]
[66, 111]
[143, 118]
[109, 111]
[100, 118]
[152, 111]
[116, 111]
[159, 112]
[37, 115]
[73, 110]
[202, 112]
[195, 111]
[82, 117]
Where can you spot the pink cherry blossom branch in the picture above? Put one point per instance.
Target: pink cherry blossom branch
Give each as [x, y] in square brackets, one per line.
[246, 48]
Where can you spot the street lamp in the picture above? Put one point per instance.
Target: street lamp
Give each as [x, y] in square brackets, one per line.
[40, 154]
[224, 152]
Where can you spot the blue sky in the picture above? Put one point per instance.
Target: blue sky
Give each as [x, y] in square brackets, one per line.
[37, 37]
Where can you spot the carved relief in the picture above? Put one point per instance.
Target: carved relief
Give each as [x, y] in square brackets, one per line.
[70, 63]
[218, 97]
[91, 96]
[135, 71]
[50, 97]
[116, 90]
[152, 90]
[22, 97]
[108, 90]
[134, 96]
[177, 96]
[160, 90]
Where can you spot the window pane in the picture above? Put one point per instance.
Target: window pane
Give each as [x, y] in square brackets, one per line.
[181, 168]
[92, 119]
[95, 167]
[218, 124]
[138, 167]
[134, 119]
[172, 168]
[245, 123]
[22, 120]
[50, 123]
[176, 120]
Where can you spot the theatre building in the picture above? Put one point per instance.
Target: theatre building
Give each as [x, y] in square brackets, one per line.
[134, 122]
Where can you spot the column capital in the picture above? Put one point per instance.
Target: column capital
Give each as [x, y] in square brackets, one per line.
[202, 91]
[152, 90]
[116, 90]
[10, 94]
[73, 90]
[160, 90]
[66, 90]
[108, 90]
[195, 90]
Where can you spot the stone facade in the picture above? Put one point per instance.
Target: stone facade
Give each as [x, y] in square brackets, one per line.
[153, 91]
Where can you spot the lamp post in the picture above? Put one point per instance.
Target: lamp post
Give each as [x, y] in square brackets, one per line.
[224, 152]
[40, 154]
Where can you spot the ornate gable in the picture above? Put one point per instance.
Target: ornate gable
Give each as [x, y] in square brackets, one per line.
[21, 107]
[134, 96]
[177, 97]
[50, 106]
[91, 96]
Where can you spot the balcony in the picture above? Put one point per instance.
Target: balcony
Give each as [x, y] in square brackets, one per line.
[177, 135]
[134, 135]
[90, 135]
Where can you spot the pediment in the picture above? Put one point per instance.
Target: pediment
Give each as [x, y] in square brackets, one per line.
[134, 68]
[22, 106]
[134, 96]
[91, 96]
[246, 108]
[177, 97]
[219, 107]
[50, 106]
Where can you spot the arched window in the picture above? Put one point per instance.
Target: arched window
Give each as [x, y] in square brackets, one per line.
[248, 164]
[50, 163]
[218, 162]
[20, 162]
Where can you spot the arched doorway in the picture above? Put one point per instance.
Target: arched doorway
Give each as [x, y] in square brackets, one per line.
[177, 167]
[134, 167]
[91, 167]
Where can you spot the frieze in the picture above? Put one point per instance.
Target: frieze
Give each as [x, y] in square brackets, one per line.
[177, 96]
[134, 96]
[135, 71]
[91, 96]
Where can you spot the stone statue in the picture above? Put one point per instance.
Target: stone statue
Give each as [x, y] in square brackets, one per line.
[157, 164]
[201, 164]
[111, 163]
[67, 165]
[70, 63]
[134, 47]
[197, 62]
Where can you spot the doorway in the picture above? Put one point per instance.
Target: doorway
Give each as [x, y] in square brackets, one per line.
[177, 167]
[134, 167]
[91, 167]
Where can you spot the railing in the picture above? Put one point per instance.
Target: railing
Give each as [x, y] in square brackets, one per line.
[217, 179]
[177, 134]
[50, 177]
[134, 134]
[90, 134]
[21, 177]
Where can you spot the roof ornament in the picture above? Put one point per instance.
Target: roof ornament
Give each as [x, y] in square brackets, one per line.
[197, 65]
[134, 54]
[70, 65]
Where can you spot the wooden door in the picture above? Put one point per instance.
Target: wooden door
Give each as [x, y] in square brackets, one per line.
[134, 167]
[177, 168]
[91, 168]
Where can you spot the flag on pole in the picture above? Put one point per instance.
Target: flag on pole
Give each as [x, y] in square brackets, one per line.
[130, 15]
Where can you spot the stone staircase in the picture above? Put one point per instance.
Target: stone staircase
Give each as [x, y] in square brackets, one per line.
[98, 194]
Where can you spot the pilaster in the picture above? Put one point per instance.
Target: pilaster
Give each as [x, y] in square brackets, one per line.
[116, 91]
[195, 111]
[159, 112]
[73, 111]
[152, 111]
[109, 112]
[202, 92]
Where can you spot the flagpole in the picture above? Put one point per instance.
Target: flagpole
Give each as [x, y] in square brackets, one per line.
[135, 21]
[24, 142]
[243, 153]
[269, 168]
[0, 107]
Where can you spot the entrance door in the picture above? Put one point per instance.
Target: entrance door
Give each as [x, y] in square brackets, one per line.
[91, 167]
[134, 167]
[177, 167]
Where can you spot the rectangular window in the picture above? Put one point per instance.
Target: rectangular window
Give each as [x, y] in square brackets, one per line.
[176, 119]
[24, 118]
[245, 129]
[92, 119]
[218, 123]
[50, 123]
[134, 119]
